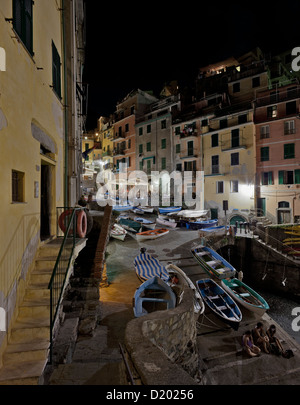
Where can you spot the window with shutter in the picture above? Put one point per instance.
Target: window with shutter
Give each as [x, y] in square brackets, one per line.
[22, 22]
[56, 71]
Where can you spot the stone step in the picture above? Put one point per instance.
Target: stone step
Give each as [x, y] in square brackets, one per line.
[37, 293]
[39, 308]
[19, 352]
[30, 331]
[22, 373]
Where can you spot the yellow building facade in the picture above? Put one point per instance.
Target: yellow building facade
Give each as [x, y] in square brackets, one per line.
[32, 141]
[229, 165]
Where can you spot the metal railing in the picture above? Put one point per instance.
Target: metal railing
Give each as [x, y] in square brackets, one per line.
[57, 282]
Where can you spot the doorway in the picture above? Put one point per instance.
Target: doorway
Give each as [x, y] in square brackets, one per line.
[45, 201]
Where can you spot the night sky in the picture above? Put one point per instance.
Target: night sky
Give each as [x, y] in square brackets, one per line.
[146, 44]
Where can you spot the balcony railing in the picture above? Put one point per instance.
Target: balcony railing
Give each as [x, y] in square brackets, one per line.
[215, 170]
[278, 97]
[119, 136]
[119, 152]
[232, 144]
[188, 132]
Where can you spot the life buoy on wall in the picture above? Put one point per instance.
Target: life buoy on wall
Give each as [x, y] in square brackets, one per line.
[81, 227]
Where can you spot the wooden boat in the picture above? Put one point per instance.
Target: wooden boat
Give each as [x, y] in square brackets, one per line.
[213, 231]
[122, 207]
[220, 302]
[130, 225]
[151, 234]
[165, 210]
[192, 213]
[153, 295]
[245, 296]
[117, 232]
[166, 222]
[201, 224]
[146, 209]
[184, 280]
[145, 222]
[213, 263]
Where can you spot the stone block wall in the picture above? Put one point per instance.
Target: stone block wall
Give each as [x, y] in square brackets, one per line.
[162, 345]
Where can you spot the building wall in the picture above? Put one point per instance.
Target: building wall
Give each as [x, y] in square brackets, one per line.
[28, 107]
[240, 195]
[278, 174]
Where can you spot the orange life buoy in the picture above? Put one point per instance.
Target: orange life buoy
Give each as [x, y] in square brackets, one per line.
[81, 222]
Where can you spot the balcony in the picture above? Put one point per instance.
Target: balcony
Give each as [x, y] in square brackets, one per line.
[233, 144]
[188, 154]
[281, 96]
[214, 170]
[108, 153]
[118, 152]
[119, 136]
[188, 133]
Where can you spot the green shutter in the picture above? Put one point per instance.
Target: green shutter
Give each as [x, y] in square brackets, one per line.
[56, 76]
[297, 176]
[281, 177]
[270, 178]
[22, 22]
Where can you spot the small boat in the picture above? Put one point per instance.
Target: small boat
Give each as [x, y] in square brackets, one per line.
[147, 210]
[220, 302]
[151, 234]
[138, 210]
[245, 296]
[122, 207]
[192, 213]
[201, 224]
[117, 232]
[130, 225]
[166, 222]
[214, 231]
[184, 280]
[153, 295]
[166, 210]
[213, 263]
[145, 222]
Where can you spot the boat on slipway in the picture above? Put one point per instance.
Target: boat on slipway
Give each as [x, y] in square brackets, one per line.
[166, 222]
[212, 262]
[151, 234]
[153, 295]
[145, 222]
[167, 210]
[245, 296]
[118, 232]
[221, 304]
[194, 225]
[147, 266]
[130, 225]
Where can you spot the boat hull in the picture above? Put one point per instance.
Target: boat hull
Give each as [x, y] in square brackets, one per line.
[245, 296]
[166, 210]
[201, 224]
[220, 303]
[151, 234]
[213, 263]
[153, 295]
[145, 223]
[130, 225]
[165, 222]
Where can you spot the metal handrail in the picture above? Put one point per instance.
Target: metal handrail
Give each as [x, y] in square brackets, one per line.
[58, 277]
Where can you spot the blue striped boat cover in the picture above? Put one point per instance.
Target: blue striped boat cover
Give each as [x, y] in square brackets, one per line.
[146, 266]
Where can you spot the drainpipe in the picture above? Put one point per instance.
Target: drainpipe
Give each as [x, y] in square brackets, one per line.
[66, 197]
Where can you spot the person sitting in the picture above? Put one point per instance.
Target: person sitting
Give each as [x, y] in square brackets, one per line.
[260, 338]
[275, 344]
[248, 345]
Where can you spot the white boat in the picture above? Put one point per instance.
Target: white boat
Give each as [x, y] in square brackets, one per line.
[117, 232]
[192, 213]
[145, 222]
[213, 231]
[147, 210]
[183, 279]
[166, 222]
[151, 234]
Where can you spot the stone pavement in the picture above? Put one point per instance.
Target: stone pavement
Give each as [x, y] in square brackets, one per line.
[96, 358]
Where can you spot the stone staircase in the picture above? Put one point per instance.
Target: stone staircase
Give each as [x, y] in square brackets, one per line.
[28, 344]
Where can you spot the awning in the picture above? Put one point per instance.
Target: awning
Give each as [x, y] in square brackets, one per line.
[43, 138]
